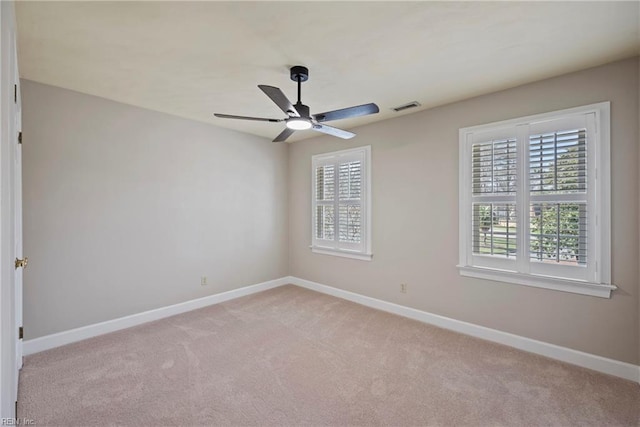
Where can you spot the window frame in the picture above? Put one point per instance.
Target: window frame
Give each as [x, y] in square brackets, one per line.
[596, 280]
[360, 251]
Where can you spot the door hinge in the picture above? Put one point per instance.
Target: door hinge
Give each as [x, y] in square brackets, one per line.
[20, 137]
[15, 94]
[20, 332]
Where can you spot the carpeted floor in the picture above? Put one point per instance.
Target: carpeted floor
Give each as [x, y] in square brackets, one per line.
[290, 356]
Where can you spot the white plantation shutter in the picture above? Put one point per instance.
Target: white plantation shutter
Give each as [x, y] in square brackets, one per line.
[561, 197]
[341, 203]
[494, 225]
[494, 167]
[349, 208]
[558, 162]
[325, 198]
[494, 229]
[558, 166]
[533, 209]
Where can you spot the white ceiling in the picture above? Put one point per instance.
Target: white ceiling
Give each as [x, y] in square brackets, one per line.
[192, 59]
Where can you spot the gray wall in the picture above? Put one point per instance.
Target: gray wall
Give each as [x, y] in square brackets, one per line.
[125, 209]
[415, 218]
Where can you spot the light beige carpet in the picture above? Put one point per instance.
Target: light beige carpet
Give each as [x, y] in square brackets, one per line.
[290, 356]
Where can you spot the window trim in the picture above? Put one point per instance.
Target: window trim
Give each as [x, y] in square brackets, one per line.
[602, 285]
[365, 202]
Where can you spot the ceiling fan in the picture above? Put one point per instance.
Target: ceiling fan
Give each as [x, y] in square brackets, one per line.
[298, 115]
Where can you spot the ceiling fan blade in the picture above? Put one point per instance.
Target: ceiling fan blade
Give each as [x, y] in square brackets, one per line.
[260, 119]
[286, 133]
[280, 99]
[345, 113]
[333, 131]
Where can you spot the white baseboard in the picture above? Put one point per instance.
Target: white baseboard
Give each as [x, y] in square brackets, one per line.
[47, 342]
[574, 357]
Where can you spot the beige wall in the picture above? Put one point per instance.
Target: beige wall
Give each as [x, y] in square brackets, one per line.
[415, 218]
[125, 209]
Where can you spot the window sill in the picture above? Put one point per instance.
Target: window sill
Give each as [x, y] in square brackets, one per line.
[573, 286]
[341, 252]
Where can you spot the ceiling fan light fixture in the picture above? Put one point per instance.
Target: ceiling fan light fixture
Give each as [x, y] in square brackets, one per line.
[298, 114]
[298, 123]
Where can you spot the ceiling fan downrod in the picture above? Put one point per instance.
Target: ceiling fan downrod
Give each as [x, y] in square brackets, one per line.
[300, 74]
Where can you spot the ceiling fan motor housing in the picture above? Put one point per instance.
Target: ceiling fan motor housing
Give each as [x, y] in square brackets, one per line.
[302, 109]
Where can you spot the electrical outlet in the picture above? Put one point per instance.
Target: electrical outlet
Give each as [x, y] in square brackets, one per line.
[403, 288]
[203, 281]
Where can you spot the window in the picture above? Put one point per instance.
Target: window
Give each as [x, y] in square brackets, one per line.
[341, 203]
[534, 201]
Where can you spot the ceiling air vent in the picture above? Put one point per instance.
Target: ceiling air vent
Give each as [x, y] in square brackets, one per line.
[399, 108]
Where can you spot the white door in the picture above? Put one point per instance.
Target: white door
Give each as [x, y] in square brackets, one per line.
[20, 258]
[10, 279]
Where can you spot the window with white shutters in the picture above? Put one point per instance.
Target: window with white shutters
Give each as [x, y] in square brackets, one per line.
[534, 201]
[341, 203]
